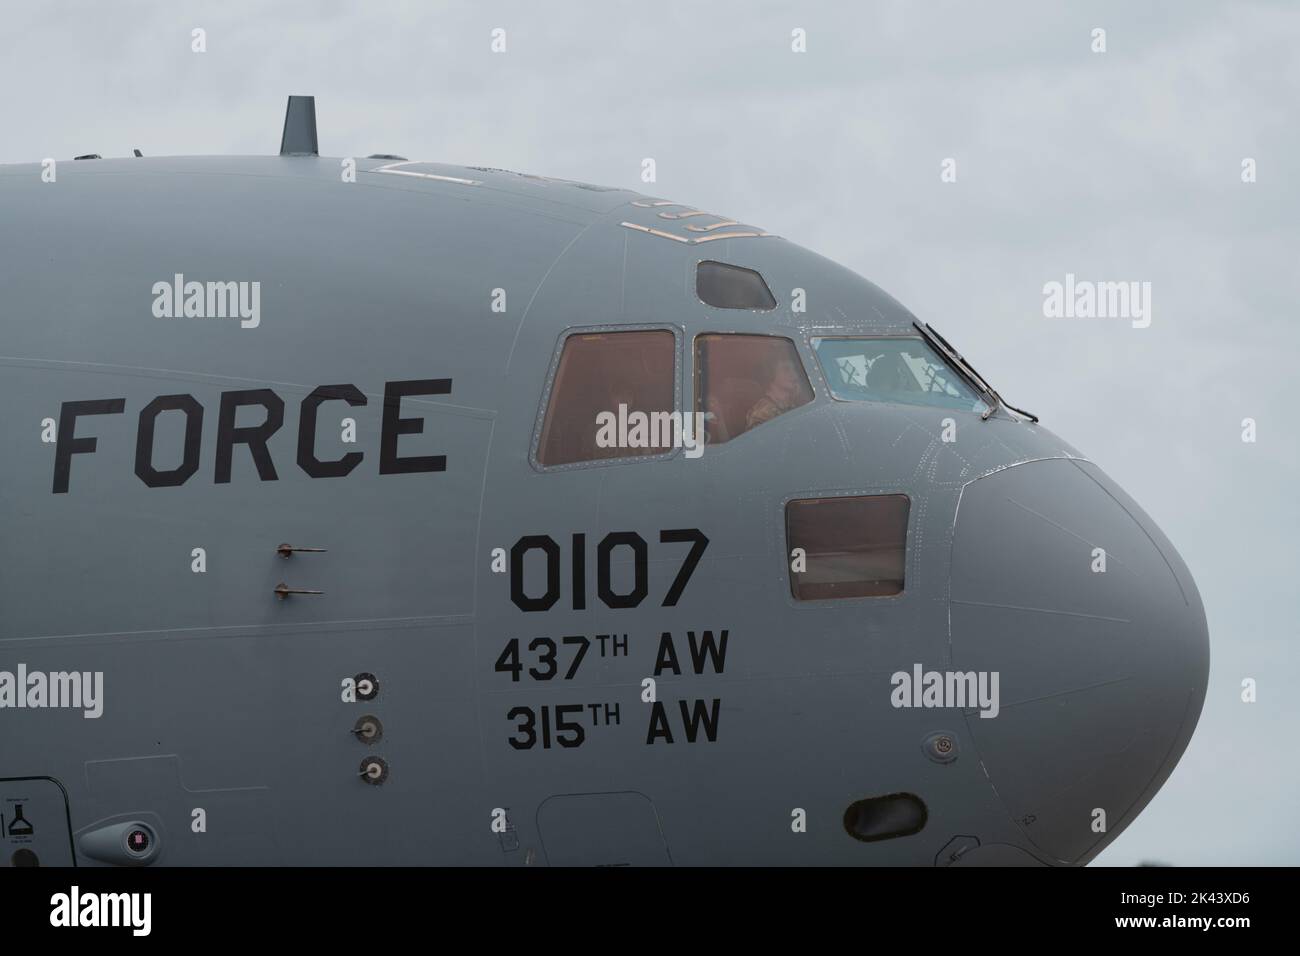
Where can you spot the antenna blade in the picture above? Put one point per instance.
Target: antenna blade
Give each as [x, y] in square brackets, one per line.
[299, 137]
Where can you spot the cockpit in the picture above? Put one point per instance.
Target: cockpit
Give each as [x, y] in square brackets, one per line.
[742, 380]
[903, 370]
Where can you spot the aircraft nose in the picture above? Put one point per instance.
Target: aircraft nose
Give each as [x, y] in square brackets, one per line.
[1065, 588]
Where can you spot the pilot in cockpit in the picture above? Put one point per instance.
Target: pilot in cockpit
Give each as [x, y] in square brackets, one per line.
[783, 393]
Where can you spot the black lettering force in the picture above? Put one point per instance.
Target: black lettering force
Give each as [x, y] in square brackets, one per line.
[254, 437]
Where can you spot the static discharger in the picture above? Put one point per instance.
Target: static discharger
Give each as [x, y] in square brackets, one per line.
[283, 591]
[287, 550]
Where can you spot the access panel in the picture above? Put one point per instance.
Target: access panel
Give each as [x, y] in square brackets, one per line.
[35, 829]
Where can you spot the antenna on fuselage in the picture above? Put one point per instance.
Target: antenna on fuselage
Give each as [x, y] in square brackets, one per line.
[299, 137]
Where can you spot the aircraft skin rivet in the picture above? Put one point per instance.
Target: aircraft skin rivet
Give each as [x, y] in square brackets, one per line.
[940, 747]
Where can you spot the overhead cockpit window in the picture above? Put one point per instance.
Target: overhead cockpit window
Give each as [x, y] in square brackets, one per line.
[602, 380]
[731, 287]
[903, 370]
[743, 381]
[848, 547]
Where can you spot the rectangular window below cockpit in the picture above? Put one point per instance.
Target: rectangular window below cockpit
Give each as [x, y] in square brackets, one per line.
[849, 547]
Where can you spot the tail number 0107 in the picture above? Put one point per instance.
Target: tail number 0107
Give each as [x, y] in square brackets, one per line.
[605, 556]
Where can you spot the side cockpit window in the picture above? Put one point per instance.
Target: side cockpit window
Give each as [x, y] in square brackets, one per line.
[743, 381]
[849, 547]
[731, 287]
[603, 375]
[902, 370]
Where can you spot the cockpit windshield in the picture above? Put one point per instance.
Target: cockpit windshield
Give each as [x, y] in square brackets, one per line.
[901, 369]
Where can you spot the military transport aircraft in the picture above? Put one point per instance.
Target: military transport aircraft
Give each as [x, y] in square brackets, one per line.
[379, 511]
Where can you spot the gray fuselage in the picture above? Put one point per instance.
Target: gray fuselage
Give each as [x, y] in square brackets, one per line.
[220, 696]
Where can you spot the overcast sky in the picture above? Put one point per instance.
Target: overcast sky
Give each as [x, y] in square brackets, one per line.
[1122, 165]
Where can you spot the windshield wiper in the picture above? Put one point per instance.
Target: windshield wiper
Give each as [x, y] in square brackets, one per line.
[991, 397]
